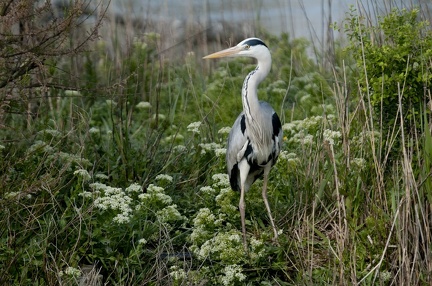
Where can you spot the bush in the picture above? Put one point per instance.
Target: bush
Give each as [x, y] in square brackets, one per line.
[393, 62]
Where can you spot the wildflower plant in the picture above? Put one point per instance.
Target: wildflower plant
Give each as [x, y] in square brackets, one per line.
[120, 210]
[331, 137]
[71, 272]
[232, 274]
[215, 237]
[194, 127]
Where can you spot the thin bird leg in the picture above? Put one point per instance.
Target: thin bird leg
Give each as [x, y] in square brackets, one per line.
[242, 208]
[244, 171]
[264, 195]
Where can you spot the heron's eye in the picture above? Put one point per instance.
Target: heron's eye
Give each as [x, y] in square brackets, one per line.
[247, 47]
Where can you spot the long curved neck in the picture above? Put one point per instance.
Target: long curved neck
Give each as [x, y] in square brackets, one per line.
[257, 132]
[250, 86]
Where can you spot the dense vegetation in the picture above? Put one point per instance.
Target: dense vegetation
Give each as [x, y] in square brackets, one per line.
[112, 160]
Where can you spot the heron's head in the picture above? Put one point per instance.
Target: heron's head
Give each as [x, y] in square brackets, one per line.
[251, 47]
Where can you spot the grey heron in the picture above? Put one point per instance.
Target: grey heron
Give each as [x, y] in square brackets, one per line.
[255, 139]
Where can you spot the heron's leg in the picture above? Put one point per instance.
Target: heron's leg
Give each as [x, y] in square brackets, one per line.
[264, 194]
[242, 208]
[244, 171]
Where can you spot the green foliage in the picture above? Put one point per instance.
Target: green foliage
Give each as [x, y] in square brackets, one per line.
[304, 88]
[393, 62]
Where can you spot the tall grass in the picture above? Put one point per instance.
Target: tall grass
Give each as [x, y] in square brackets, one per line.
[122, 179]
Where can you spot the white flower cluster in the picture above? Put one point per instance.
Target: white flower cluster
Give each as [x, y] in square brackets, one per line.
[179, 148]
[164, 177]
[208, 147]
[134, 188]
[221, 180]
[143, 105]
[233, 273]
[159, 116]
[285, 155]
[142, 241]
[10, 195]
[101, 176]
[177, 273]
[301, 131]
[302, 138]
[291, 158]
[225, 246]
[169, 214]
[194, 127]
[155, 194]
[220, 152]
[204, 225]
[17, 195]
[94, 130]
[330, 136]
[220, 192]
[207, 190]
[70, 92]
[225, 201]
[86, 194]
[257, 248]
[71, 272]
[113, 199]
[204, 217]
[83, 174]
[121, 218]
[310, 124]
[213, 237]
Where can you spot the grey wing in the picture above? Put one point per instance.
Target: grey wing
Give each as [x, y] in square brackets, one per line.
[237, 141]
[272, 127]
[277, 133]
[239, 148]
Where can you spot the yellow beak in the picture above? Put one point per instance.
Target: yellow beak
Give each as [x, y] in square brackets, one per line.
[224, 53]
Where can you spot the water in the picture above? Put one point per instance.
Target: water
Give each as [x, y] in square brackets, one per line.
[299, 18]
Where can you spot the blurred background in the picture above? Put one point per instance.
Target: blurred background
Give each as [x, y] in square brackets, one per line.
[187, 23]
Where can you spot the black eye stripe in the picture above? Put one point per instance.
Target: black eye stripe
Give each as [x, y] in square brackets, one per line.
[255, 42]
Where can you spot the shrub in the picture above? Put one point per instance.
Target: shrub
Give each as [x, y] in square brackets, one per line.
[393, 61]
